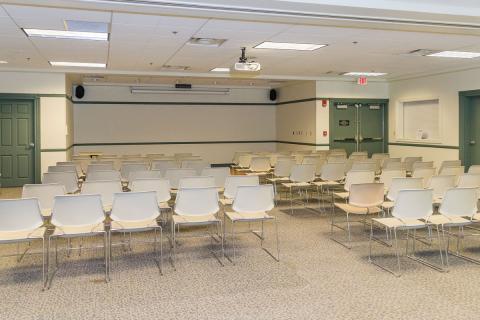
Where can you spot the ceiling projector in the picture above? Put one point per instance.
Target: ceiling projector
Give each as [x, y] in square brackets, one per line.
[243, 65]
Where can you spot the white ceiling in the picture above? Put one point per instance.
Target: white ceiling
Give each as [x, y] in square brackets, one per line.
[141, 43]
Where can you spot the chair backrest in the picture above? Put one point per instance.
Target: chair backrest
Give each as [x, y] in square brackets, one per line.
[253, 199]
[131, 167]
[129, 156]
[422, 164]
[154, 155]
[387, 175]
[440, 184]
[469, 180]
[333, 171]
[67, 179]
[63, 168]
[134, 206]
[336, 158]
[106, 162]
[233, 182]
[302, 173]
[99, 167]
[20, 215]
[197, 164]
[144, 174]
[196, 182]
[394, 166]
[425, 173]
[66, 163]
[403, 184]
[220, 174]
[449, 163]
[369, 165]
[79, 210]
[260, 164]
[106, 189]
[459, 202]
[244, 160]
[283, 168]
[45, 193]
[380, 156]
[160, 186]
[366, 195]
[359, 177]
[409, 161]
[174, 175]
[164, 165]
[316, 160]
[388, 161]
[196, 201]
[413, 204]
[474, 169]
[451, 171]
[103, 175]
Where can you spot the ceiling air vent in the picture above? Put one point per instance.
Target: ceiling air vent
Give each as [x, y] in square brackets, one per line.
[175, 68]
[421, 52]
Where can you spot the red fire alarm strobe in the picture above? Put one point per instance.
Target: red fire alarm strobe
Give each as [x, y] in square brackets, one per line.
[325, 133]
[324, 103]
[362, 81]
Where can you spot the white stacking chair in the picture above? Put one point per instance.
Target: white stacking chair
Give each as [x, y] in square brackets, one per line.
[103, 175]
[82, 162]
[130, 156]
[315, 160]
[451, 171]
[388, 174]
[174, 175]
[457, 210]
[422, 165]
[425, 173]
[399, 184]
[440, 185]
[45, 193]
[389, 163]
[333, 175]
[233, 182]
[236, 156]
[252, 204]
[412, 209]
[196, 207]
[163, 165]
[244, 161]
[354, 177]
[77, 217]
[197, 182]
[160, 186]
[359, 155]
[106, 189]
[220, 174]
[364, 199]
[409, 161]
[127, 168]
[105, 162]
[364, 165]
[21, 221]
[99, 167]
[449, 163]
[281, 172]
[336, 158]
[67, 179]
[469, 180]
[154, 155]
[144, 174]
[134, 212]
[474, 169]
[380, 156]
[301, 178]
[63, 168]
[260, 165]
[395, 165]
[197, 164]
[77, 166]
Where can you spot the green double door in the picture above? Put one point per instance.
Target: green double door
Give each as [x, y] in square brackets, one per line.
[358, 127]
[17, 137]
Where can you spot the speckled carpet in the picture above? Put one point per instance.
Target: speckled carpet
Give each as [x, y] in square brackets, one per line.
[316, 278]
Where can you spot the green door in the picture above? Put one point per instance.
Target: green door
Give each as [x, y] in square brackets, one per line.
[344, 131]
[473, 140]
[371, 128]
[16, 142]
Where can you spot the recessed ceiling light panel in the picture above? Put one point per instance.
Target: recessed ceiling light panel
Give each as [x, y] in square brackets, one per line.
[3, 62]
[289, 46]
[61, 34]
[220, 70]
[364, 74]
[209, 42]
[455, 54]
[77, 64]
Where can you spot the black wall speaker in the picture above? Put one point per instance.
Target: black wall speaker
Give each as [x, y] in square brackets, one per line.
[273, 94]
[79, 92]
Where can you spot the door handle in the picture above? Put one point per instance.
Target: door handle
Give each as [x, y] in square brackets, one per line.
[31, 145]
[473, 142]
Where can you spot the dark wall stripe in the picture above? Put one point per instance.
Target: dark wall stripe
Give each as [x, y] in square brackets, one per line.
[192, 142]
[304, 143]
[176, 103]
[57, 149]
[421, 145]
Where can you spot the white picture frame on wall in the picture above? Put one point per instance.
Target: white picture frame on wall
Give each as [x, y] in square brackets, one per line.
[419, 121]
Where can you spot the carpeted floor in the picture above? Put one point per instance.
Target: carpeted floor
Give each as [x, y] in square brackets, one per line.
[315, 279]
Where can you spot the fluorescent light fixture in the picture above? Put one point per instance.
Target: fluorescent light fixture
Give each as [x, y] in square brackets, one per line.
[61, 34]
[220, 70]
[209, 42]
[3, 62]
[364, 74]
[455, 54]
[289, 46]
[157, 90]
[77, 64]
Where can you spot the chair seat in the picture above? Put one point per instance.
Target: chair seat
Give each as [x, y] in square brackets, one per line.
[242, 216]
[476, 217]
[388, 204]
[226, 201]
[342, 195]
[78, 230]
[326, 183]
[400, 224]
[133, 225]
[357, 210]
[440, 219]
[278, 179]
[198, 220]
[258, 173]
[296, 184]
[6, 236]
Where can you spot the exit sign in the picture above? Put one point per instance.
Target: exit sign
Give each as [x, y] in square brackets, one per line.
[362, 81]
